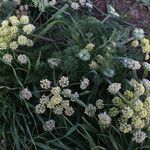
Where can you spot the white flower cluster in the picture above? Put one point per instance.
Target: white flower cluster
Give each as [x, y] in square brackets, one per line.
[135, 43]
[138, 105]
[44, 4]
[83, 3]
[93, 65]
[104, 119]
[75, 6]
[49, 125]
[90, 110]
[139, 136]
[138, 33]
[131, 64]
[14, 33]
[64, 81]
[146, 84]
[146, 65]
[69, 111]
[22, 58]
[45, 84]
[84, 83]
[125, 128]
[127, 112]
[8, 58]
[56, 100]
[29, 28]
[40, 108]
[138, 88]
[89, 47]
[114, 88]
[25, 93]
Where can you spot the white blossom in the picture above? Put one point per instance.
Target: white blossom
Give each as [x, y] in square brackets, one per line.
[139, 136]
[69, 111]
[64, 81]
[146, 65]
[104, 119]
[138, 33]
[131, 64]
[114, 88]
[23, 59]
[25, 93]
[84, 83]
[75, 5]
[82, 2]
[49, 125]
[8, 58]
[45, 84]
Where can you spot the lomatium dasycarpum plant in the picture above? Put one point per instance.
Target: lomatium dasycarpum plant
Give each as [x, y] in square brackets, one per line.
[67, 85]
[131, 110]
[59, 98]
[14, 35]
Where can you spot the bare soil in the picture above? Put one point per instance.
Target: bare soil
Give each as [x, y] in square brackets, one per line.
[136, 14]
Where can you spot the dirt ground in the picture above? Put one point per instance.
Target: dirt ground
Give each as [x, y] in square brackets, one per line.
[132, 12]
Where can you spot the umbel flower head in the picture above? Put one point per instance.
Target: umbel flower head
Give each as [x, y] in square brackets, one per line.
[64, 81]
[131, 64]
[138, 33]
[135, 43]
[84, 83]
[114, 88]
[145, 44]
[82, 2]
[99, 104]
[14, 32]
[22, 58]
[127, 112]
[90, 110]
[89, 47]
[28, 29]
[25, 93]
[104, 119]
[132, 108]
[58, 101]
[8, 58]
[45, 84]
[93, 65]
[146, 65]
[125, 128]
[146, 84]
[138, 88]
[75, 6]
[49, 125]
[139, 136]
